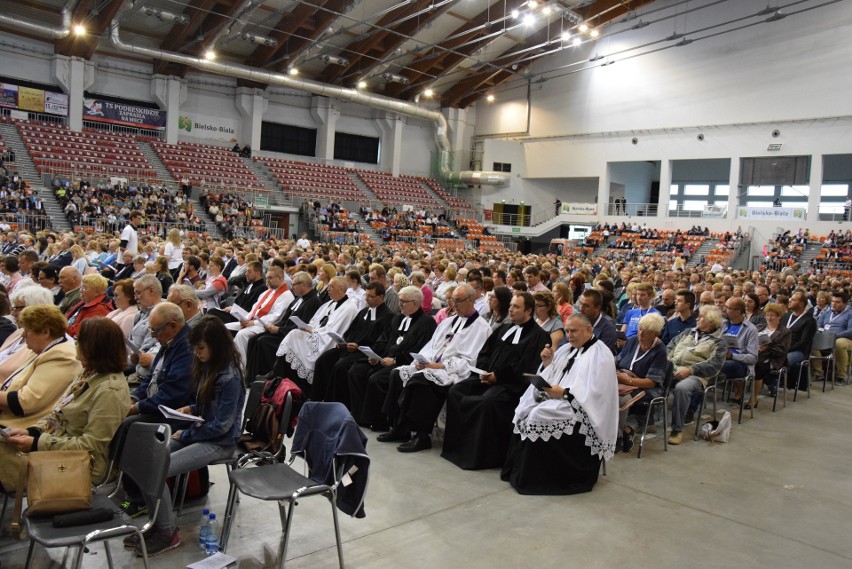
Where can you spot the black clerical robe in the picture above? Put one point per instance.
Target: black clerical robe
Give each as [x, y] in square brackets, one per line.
[332, 367]
[261, 349]
[479, 415]
[368, 385]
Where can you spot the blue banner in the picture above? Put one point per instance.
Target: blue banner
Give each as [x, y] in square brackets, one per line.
[123, 114]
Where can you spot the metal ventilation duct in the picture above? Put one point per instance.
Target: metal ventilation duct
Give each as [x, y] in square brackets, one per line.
[62, 32]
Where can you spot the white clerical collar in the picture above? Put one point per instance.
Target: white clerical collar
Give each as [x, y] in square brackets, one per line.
[370, 316]
[406, 322]
[516, 330]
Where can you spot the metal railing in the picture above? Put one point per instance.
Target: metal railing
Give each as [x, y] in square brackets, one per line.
[144, 133]
[27, 220]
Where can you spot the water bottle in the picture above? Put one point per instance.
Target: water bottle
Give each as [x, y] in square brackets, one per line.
[211, 543]
[202, 528]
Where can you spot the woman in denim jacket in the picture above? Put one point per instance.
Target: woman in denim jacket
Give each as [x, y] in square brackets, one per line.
[219, 394]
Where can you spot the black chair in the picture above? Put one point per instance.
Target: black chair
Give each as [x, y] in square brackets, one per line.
[712, 387]
[333, 448]
[146, 462]
[781, 378]
[824, 342]
[661, 402]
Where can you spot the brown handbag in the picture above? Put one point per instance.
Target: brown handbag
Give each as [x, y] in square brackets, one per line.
[55, 482]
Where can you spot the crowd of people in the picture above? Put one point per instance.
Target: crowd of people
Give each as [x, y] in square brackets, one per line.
[545, 363]
[232, 213]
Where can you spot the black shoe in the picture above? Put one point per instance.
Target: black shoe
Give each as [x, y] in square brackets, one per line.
[627, 440]
[379, 427]
[689, 418]
[393, 436]
[416, 444]
[619, 444]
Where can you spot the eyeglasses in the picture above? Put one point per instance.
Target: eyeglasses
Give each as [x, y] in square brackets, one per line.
[16, 308]
[158, 329]
[402, 301]
[462, 299]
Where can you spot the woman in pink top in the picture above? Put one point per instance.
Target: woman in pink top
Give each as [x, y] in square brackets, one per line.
[126, 309]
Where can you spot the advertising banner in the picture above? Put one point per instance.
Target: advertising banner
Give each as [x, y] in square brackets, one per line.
[776, 213]
[8, 95]
[209, 127]
[56, 103]
[580, 208]
[31, 99]
[123, 114]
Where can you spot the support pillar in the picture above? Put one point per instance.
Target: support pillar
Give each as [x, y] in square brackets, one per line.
[169, 93]
[393, 126]
[665, 192]
[252, 105]
[325, 113]
[74, 75]
[604, 181]
[815, 188]
[734, 190]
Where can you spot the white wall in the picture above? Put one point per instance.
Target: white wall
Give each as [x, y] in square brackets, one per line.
[22, 58]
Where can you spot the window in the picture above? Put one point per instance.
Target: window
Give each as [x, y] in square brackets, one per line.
[356, 148]
[795, 191]
[794, 204]
[502, 167]
[672, 205]
[830, 208]
[754, 191]
[673, 189]
[834, 190]
[696, 189]
[722, 190]
[694, 205]
[288, 139]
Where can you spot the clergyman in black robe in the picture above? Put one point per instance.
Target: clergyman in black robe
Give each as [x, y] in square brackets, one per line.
[480, 408]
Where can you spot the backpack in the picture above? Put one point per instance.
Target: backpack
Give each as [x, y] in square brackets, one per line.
[264, 426]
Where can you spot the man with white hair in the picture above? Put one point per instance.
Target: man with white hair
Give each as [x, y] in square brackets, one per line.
[267, 310]
[70, 280]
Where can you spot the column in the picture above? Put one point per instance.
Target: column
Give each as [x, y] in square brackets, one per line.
[603, 191]
[393, 126]
[169, 92]
[665, 184]
[735, 190]
[815, 187]
[252, 105]
[74, 75]
[325, 113]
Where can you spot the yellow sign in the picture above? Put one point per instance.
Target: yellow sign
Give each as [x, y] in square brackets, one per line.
[31, 99]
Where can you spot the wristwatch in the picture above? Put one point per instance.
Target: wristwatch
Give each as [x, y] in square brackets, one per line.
[566, 395]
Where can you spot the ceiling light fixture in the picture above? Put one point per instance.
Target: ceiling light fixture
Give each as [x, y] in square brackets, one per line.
[566, 36]
[260, 40]
[209, 55]
[80, 30]
[293, 71]
[167, 17]
[547, 10]
[594, 33]
[529, 20]
[490, 98]
[515, 14]
[532, 4]
[577, 41]
[428, 93]
[584, 28]
[362, 84]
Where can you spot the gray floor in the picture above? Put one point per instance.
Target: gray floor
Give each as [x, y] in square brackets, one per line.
[778, 495]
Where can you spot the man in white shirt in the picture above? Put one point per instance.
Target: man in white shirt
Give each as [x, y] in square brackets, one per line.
[267, 310]
[304, 242]
[129, 236]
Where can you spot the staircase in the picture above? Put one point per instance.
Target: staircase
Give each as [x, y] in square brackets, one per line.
[702, 251]
[442, 204]
[26, 168]
[365, 228]
[363, 187]
[163, 174]
[276, 195]
[808, 255]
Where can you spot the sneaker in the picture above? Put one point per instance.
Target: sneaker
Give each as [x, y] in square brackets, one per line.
[675, 438]
[157, 542]
[131, 541]
[133, 509]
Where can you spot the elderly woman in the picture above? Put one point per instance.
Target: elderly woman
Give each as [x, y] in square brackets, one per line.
[34, 389]
[125, 306]
[498, 307]
[823, 300]
[14, 351]
[448, 280]
[566, 423]
[548, 318]
[78, 259]
[400, 281]
[449, 310]
[774, 341]
[93, 302]
[7, 322]
[90, 410]
[641, 366]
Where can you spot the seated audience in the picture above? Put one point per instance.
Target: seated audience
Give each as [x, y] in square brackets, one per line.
[94, 302]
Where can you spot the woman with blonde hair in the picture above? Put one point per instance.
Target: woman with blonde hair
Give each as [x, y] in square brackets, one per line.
[78, 259]
[174, 253]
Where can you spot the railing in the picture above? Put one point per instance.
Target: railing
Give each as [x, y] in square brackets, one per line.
[833, 217]
[31, 116]
[31, 221]
[153, 228]
[69, 170]
[680, 211]
[633, 209]
[144, 133]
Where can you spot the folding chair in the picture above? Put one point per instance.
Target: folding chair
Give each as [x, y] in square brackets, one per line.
[824, 341]
[748, 383]
[712, 387]
[661, 401]
[334, 449]
[781, 376]
[147, 463]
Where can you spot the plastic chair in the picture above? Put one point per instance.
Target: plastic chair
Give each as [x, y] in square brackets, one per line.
[824, 341]
[661, 401]
[146, 462]
[333, 447]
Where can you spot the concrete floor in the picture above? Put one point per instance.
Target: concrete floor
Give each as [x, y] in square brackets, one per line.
[778, 495]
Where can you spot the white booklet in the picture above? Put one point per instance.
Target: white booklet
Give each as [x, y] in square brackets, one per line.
[132, 347]
[336, 338]
[239, 313]
[170, 413]
[418, 359]
[478, 371]
[216, 561]
[369, 353]
[300, 324]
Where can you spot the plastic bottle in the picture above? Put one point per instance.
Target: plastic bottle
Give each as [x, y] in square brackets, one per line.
[211, 544]
[202, 528]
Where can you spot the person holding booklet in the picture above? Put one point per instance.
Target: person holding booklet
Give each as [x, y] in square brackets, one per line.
[641, 368]
[268, 309]
[480, 408]
[217, 380]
